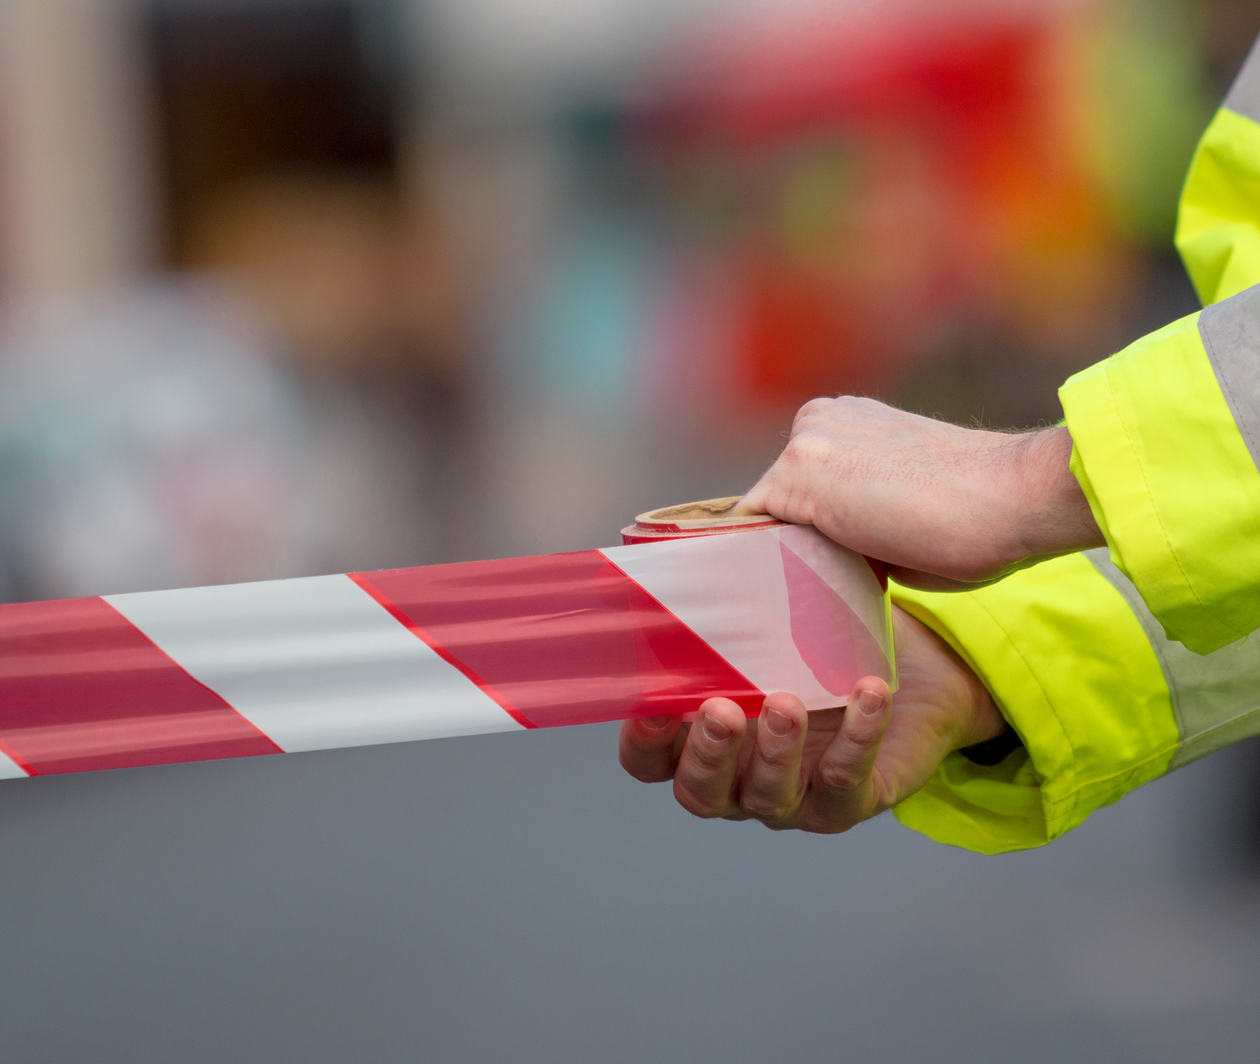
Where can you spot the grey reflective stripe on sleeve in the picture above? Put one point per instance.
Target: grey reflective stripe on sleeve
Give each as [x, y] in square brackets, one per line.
[1244, 94]
[1231, 336]
[1216, 697]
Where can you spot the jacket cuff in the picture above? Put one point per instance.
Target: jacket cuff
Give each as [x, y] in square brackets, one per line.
[1071, 670]
[1159, 502]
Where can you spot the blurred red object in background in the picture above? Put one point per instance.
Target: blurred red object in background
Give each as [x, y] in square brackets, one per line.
[894, 175]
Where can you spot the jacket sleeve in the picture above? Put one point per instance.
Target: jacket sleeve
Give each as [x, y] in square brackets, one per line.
[1167, 433]
[1218, 222]
[1101, 699]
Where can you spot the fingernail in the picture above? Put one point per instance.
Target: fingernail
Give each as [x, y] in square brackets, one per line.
[655, 723]
[715, 730]
[776, 723]
[870, 702]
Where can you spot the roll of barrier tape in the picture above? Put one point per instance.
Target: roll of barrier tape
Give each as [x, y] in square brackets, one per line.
[401, 654]
[708, 517]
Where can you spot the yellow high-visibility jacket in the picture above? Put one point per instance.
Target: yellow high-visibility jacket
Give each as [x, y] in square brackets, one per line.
[1118, 665]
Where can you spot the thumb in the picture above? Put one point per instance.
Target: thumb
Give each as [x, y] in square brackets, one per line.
[756, 498]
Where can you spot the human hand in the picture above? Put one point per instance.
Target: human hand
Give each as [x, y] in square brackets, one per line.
[944, 506]
[827, 770]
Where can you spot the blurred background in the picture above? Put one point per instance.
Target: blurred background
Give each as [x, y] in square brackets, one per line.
[305, 286]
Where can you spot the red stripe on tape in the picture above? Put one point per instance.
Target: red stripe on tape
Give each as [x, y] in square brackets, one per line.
[81, 688]
[441, 651]
[825, 629]
[561, 639]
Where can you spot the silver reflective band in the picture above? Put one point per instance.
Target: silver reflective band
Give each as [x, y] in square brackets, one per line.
[1215, 697]
[1231, 336]
[1244, 95]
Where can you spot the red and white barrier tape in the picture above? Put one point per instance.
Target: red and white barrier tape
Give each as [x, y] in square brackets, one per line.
[402, 654]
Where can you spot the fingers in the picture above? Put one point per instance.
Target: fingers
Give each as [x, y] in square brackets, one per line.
[704, 781]
[842, 790]
[771, 787]
[720, 771]
[647, 748]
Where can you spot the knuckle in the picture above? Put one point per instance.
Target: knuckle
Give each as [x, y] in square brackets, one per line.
[758, 809]
[695, 805]
[811, 447]
[840, 776]
[708, 760]
[812, 824]
[813, 408]
[777, 756]
[862, 734]
[645, 773]
[816, 825]
[862, 737]
[803, 456]
[644, 767]
[767, 809]
[804, 446]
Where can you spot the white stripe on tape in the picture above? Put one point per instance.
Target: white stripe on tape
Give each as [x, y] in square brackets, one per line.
[10, 769]
[751, 622]
[313, 663]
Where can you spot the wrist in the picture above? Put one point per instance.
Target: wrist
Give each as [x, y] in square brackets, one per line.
[985, 722]
[1053, 515]
[974, 717]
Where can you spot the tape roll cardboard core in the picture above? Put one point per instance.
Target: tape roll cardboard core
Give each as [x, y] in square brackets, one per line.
[705, 517]
[705, 510]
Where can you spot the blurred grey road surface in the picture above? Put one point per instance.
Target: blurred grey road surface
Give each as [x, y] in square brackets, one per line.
[517, 897]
